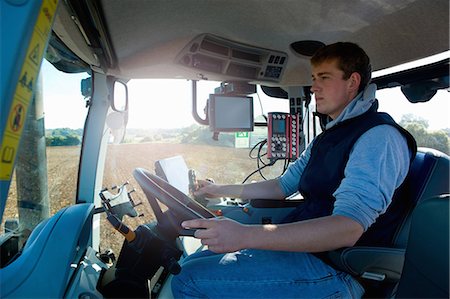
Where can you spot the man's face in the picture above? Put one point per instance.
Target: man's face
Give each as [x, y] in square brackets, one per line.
[332, 92]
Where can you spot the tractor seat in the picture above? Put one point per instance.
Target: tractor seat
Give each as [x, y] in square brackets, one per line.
[379, 269]
[425, 271]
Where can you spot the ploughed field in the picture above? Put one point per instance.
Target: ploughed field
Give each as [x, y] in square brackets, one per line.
[223, 164]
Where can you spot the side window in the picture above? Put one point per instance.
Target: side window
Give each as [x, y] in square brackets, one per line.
[428, 122]
[46, 168]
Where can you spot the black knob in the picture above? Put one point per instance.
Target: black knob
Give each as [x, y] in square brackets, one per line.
[172, 266]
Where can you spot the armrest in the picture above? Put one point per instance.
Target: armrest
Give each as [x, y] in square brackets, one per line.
[375, 263]
[275, 203]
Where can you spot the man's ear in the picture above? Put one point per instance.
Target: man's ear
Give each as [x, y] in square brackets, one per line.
[354, 81]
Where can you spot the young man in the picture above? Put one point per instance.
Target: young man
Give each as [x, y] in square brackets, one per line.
[347, 176]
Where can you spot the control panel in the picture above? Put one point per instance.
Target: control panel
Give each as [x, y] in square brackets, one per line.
[283, 141]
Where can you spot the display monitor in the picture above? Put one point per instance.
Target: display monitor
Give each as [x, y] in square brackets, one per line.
[230, 113]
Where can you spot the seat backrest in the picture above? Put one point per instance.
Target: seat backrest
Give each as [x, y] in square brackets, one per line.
[426, 269]
[428, 177]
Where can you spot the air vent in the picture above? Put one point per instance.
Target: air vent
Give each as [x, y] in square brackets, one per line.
[214, 48]
[245, 56]
[232, 60]
[207, 63]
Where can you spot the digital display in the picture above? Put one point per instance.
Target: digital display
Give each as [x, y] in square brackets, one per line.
[279, 126]
[230, 113]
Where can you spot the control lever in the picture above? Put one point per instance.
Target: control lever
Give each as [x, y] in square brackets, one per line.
[193, 186]
[120, 227]
[138, 262]
[203, 200]
[140, 239]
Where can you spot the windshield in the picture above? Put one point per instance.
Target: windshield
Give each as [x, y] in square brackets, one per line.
[161, 126]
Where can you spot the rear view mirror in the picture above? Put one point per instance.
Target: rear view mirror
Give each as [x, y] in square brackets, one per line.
[119, 101]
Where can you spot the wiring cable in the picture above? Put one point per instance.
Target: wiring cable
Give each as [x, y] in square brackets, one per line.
[252, 173]
[258, 159]
[260, 105]
[259, 156]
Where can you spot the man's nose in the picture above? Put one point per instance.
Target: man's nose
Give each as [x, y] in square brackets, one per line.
[314, 87]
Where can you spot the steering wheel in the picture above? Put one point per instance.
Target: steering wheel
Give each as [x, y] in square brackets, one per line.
[180, 207]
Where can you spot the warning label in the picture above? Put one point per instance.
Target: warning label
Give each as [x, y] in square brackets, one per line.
[17, 119]
[24, 88]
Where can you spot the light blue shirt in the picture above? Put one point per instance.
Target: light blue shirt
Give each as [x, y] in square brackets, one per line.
[377, 165]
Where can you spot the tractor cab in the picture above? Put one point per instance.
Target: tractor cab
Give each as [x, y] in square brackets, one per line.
[112, 110]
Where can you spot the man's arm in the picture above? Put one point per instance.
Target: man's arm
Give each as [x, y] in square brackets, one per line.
[278, 188]
[269, 189]
[315, 235]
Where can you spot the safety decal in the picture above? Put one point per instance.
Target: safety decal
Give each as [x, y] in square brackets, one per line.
[24, 88]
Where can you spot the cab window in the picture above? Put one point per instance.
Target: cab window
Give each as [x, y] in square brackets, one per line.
[46, 170]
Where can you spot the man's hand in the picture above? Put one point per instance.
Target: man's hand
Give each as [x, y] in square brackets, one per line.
[207, 189]
[221, 235]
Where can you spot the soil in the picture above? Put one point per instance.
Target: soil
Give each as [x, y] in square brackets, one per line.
[224, 165]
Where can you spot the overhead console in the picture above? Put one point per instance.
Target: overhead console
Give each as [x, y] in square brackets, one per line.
[213, 54]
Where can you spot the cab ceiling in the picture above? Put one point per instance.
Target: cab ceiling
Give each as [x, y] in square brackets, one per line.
[146, 36]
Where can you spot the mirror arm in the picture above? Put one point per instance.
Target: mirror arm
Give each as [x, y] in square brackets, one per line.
[194, 106]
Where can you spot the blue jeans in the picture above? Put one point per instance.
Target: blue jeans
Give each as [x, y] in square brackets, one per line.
[261, 274]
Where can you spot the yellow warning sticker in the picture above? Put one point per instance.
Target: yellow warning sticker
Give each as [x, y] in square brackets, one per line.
[24, 88]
